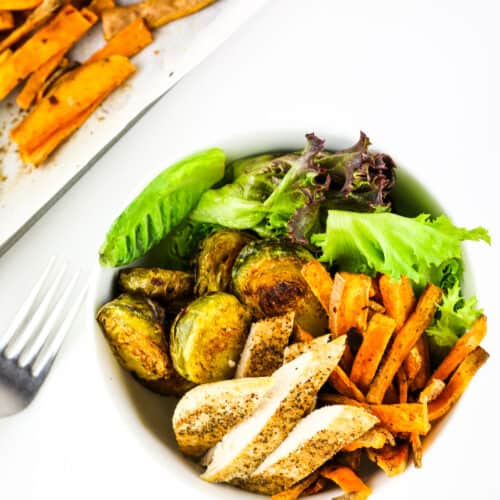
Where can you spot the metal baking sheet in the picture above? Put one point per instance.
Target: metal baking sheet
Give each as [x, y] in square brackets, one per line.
[25, 192]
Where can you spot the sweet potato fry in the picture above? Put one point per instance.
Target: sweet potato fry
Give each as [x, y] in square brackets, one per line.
[295, 491]
[319, 281]
[413, 363]
[403, 417]
[5, 55]
[396, 418]
[391, 395]
[391, 459]
[59, 35]
[128, 42]
[319, 485]
[402, 385]
[334, 319]
[99, 6]
[38, 17]
[464, 346]
[339, 399]
[344, 385]
[36, 80]
[376, 307]
[67, 106]
[351, 459]
[347, 479]
[404, 340]
[369, 355]
[6, 19]
[377, 438]
[457, 383]
[398, 298]
[423, 373]
[416, 449]
[299, 334]
[431, 391]
[19, 4]
[347, 359]
[349, 300]
[155, 12]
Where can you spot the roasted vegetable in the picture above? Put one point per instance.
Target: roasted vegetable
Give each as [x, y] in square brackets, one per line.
[405, 339]
[133, 326]
[216, 258]
[207, 337]
[155, 12]
[127, 42]
[68, 104]
[60, 34]
[36, 19]
[6, 20]
[267, 278]
[37, 80]
[160, 284]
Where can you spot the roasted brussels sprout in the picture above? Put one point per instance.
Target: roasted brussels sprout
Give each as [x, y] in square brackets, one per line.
[207, 337]
[216, 258]
[160, 284]
[266, 278]
[133, 326]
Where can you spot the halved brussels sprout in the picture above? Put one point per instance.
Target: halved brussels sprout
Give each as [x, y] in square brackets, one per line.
[208, 336]
[216, 258]
[133, 327]
[160, 284]
[266, 278]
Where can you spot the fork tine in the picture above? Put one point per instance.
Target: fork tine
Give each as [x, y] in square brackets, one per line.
[36, 343]
[51, 346]
[17, 343]
[26, 307]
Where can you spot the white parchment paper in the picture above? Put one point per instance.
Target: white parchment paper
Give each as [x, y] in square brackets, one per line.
[177, 48]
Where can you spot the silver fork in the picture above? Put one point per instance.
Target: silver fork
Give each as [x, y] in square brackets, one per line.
[31, 342]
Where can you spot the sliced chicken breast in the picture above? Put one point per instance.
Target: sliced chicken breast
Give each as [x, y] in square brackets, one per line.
[263, 351]
[294, 350]
[206, 413]
[292, 395]
[314, 440]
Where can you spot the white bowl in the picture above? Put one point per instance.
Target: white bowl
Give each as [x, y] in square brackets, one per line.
[148, 415]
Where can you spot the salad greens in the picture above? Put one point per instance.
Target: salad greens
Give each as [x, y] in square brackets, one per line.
[161, 206]
[283, 195]
[337, 203]
[424, 249]
[455, 316]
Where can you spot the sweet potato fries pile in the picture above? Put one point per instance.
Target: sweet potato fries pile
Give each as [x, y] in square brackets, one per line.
[387, 370]
[35, 38]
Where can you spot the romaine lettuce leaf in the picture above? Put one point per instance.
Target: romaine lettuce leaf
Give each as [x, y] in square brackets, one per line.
[161, 206]
[392, 244]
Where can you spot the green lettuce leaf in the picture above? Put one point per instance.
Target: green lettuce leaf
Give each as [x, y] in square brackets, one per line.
[161, 206]
[176, 251]
[395, 245]
[454, 317]
[286, 196]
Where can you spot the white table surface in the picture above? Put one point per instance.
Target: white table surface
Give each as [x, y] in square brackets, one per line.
[420, 78]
